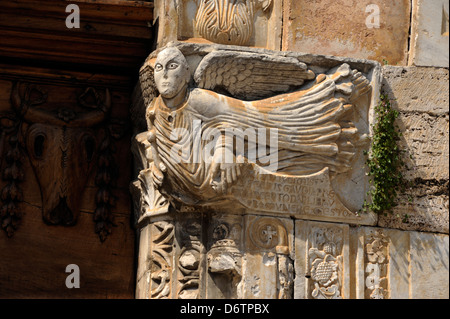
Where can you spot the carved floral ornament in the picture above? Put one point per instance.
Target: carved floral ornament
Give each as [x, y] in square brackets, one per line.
[63, 146]
[325, 263]
[377, 263]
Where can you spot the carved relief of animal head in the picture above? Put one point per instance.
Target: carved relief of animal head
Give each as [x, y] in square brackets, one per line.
[62, 147]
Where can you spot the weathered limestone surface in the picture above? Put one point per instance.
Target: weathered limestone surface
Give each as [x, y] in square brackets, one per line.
[341, 29]
[429, 255]
[430, 33]
[242, 231]
[416, 89]
[421, 95]
[334, 261]
[423, 213]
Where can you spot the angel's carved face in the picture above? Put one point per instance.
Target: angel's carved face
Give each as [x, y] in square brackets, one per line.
[171, 73]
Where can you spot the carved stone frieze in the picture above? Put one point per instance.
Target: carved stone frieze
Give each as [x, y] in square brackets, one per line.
[321, 261]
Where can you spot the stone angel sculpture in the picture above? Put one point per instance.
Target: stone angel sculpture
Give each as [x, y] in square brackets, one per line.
[196, 160]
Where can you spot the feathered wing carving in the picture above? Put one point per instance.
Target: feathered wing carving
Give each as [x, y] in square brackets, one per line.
[249, 76]
[148, 90]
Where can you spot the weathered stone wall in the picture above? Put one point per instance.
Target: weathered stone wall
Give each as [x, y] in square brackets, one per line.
[348, 29]
[412, 42]
[421, 95]
[410, 38]
[400, 255]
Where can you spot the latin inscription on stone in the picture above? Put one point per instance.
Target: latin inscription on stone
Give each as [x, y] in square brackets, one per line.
[296, 196]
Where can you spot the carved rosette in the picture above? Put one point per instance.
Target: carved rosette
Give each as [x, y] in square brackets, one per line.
[325, 263]
[377, 263]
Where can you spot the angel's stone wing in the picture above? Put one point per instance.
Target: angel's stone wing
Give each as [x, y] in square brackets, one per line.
[250, 76]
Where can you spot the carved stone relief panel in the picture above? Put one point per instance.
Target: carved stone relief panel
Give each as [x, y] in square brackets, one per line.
[161, 260]
[277, 166]
[322, 261]
[225, 256]
[234, 153]
[231, 22]
[395, 264]
[190, 257]
[269, 271]
[216, 256]
[377, 263]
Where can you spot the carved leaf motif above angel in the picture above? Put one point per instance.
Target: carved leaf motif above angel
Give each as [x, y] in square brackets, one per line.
[228, 21]
[195, 158]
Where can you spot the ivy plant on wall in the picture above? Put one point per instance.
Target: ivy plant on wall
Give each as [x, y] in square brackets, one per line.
[384, 160]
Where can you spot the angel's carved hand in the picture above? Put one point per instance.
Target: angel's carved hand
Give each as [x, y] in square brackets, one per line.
[224, 174]
[361, 85]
